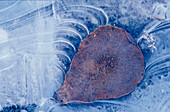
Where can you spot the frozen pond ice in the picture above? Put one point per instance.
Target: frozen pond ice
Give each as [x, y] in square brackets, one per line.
[38, 40]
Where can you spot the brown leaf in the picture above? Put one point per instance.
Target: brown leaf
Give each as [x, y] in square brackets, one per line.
[107, 65]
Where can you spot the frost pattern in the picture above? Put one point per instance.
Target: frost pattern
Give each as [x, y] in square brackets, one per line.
[45, 35]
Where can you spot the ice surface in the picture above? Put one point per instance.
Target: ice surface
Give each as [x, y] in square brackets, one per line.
[3, 36]
[38, 40]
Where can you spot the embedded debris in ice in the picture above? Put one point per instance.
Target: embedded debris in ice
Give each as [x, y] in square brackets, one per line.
[108, 64]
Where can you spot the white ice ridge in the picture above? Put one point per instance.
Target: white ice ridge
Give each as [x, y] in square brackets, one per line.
[4, 49]
[3, 35]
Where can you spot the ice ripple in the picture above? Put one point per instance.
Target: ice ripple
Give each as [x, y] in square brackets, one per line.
[41, 48]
